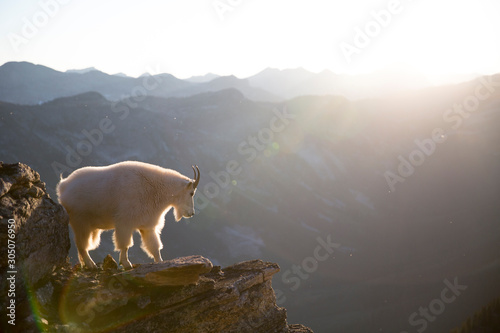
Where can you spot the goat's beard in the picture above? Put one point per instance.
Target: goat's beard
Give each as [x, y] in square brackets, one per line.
[177, 215]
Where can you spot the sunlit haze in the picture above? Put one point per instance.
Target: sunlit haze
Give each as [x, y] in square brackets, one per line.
[187, 38]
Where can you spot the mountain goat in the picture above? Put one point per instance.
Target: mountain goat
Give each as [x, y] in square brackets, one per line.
[126, 196]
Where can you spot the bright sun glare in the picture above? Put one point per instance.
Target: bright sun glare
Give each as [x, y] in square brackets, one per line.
[420, 37]
[244, 37]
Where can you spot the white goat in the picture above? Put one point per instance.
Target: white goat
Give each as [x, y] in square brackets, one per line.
[126, 196]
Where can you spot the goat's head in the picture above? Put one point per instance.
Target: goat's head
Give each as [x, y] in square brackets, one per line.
[185, 206]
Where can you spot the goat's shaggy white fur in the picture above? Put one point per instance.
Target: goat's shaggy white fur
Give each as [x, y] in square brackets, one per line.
[126, 196]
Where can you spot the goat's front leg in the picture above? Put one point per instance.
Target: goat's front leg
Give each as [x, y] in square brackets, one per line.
[124, 259]
[151, 243]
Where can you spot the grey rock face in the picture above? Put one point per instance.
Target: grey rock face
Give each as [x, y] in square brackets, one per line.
[34, 229]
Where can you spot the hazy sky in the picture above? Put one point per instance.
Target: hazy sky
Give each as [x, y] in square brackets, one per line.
[242, 37]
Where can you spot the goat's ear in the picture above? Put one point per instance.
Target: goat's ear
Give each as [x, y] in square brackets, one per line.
[189, 184]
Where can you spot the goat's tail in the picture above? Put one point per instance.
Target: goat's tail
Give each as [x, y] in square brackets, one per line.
[60, 188]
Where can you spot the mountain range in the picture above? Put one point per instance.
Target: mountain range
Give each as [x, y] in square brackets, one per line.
[281, 179]
[26, 83]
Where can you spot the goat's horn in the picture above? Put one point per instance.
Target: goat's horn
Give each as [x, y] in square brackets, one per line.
[196, 176]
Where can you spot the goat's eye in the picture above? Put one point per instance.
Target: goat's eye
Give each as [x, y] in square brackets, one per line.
[192, 193]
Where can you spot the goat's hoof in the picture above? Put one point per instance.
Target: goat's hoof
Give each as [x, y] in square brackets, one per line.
[127, 266]
[91, 268]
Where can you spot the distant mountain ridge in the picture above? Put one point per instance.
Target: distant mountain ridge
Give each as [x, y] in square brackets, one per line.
[290, 83]
[82, 71]
[27, 83]
[203, 78]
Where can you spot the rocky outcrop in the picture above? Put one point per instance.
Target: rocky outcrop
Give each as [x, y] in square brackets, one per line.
[185, 294]
[238, 298]
[176, 272]
[34, 237]
[40, 225]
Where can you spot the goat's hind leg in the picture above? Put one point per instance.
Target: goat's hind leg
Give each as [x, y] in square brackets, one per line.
[122, 238]
[82, 240]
